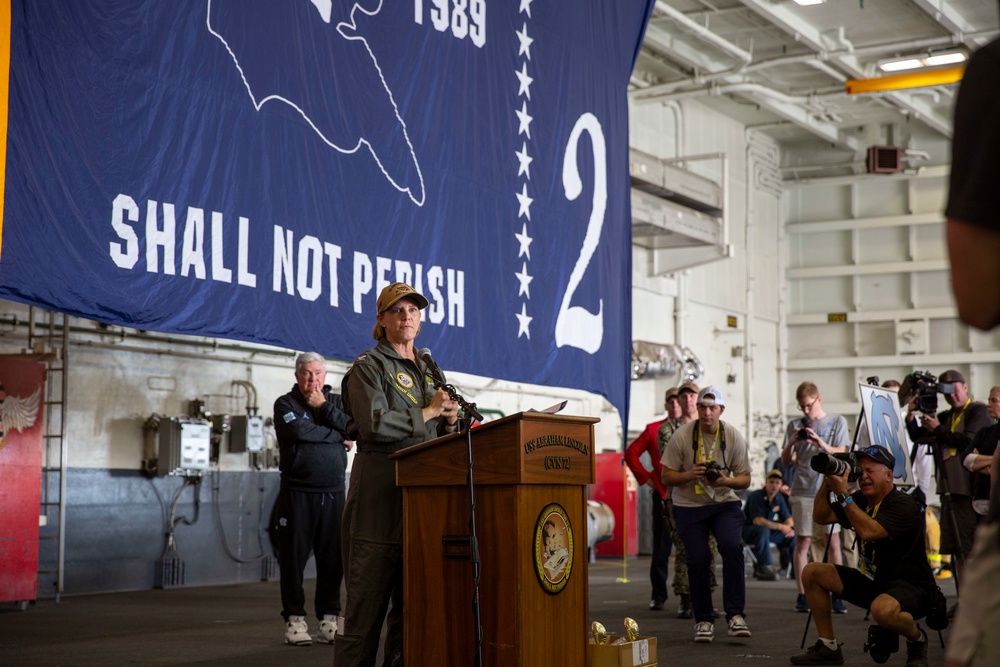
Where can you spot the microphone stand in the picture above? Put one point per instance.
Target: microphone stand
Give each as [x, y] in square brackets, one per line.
[465, 426]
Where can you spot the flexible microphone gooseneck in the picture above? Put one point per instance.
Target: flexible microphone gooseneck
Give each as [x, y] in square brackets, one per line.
[424, 355]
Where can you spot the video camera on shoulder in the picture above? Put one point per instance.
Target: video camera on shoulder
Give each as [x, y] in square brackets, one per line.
[836, 464]
[923, 388]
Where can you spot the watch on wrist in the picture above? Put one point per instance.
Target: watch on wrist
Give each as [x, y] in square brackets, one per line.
[841, 498]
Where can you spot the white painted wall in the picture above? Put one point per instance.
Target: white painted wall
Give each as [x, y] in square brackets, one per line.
[745, 286]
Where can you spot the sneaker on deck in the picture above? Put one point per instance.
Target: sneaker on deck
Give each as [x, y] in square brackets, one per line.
[684, 607]
[801, 604]
[819, 654]
[916, 652]
[327, 629]
[655, 605]
[838, 606]
[738, 627]
[297, 632]
[704, 632]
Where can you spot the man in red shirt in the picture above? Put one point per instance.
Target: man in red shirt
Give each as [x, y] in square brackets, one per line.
[647, 443]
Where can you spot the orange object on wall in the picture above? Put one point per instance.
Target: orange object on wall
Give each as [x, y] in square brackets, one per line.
[21, 410]
[616, 486]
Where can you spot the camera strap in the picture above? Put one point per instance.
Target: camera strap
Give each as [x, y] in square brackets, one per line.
[696, 443]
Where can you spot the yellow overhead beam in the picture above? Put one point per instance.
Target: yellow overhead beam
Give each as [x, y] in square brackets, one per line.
[918, 79]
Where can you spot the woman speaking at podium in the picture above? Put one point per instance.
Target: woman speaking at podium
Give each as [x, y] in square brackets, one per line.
[391, 403]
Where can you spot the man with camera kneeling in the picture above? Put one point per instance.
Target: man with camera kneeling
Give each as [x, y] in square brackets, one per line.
[893, 579]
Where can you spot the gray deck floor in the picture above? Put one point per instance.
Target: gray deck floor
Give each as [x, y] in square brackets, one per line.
[240, 625]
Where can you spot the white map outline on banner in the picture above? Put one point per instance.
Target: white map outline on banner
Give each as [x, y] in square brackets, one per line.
[324, 7]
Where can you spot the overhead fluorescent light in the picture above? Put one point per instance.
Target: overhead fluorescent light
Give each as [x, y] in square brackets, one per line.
[809, 2]
[916, 62]
[900, 65]
[946, 59]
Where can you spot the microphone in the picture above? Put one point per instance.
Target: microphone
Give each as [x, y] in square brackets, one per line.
[424, 354]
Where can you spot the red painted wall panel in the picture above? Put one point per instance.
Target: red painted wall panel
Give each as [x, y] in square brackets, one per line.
[613, 478]
[21, 413]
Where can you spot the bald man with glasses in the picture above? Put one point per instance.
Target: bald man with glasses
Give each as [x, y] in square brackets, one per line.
[814, 432]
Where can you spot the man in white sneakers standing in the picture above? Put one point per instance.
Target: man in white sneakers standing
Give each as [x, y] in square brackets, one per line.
[705, 462]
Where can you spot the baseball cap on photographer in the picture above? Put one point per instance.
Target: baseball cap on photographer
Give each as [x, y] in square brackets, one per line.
[711, 395]
[880, 455]
[948, 379]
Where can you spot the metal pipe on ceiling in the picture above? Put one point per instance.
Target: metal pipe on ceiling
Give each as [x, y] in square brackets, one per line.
[703, 32]
[819, 60]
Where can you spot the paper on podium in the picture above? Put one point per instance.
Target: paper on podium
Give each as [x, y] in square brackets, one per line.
[552, 409]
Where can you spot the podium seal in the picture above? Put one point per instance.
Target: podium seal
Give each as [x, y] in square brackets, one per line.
[553, 548]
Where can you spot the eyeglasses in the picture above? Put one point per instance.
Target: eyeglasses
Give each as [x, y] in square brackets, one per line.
[805, 407]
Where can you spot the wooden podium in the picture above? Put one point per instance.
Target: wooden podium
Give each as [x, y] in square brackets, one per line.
[530, 472]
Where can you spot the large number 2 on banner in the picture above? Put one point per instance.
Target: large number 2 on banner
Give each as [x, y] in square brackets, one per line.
[575, 325]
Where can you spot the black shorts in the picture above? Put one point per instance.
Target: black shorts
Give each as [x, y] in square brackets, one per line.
[859, 591]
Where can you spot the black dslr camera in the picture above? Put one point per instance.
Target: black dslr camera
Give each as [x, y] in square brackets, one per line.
[713, 471]
[922, 386]
[837, 464]
[881, 643]
[803, 433]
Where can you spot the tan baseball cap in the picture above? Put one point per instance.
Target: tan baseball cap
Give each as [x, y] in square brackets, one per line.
[396, 291]
[688, 386]
[671, 393]
[391, 294]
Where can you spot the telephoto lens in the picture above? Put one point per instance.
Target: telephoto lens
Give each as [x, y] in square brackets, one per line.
[825, 464]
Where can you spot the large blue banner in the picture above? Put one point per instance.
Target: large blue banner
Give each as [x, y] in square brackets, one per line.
[259, 170]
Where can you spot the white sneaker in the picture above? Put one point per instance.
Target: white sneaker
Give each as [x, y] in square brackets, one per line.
[738, 627]
[327, 629]
[704, 632]
[297, 632]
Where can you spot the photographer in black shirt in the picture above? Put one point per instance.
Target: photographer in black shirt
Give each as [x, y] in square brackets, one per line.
[893, 579]
[950, 433]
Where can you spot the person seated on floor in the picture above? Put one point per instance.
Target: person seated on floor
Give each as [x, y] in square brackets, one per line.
[768, 521]
[893, 580]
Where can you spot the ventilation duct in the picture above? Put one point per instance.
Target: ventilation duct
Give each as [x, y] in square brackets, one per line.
[650, 360]
[884, 160]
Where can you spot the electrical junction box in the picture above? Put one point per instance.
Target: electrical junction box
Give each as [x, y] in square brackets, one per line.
[246, 434]
[184, 446]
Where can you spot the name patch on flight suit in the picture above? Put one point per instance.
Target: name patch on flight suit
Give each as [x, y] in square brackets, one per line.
[404, 383]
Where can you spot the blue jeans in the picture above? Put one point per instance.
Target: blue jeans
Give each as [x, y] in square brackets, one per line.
[725, 521]
[760, 539]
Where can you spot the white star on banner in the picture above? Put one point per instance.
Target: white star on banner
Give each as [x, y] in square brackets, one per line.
[524, 202]
[524, 81]
[525, 8]
[522, 36]
[525, 241]
[523, 321]
[524, 279]
[523, 120]
[524, 161]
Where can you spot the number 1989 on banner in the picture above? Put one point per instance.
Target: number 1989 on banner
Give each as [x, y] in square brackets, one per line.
[465, 18]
